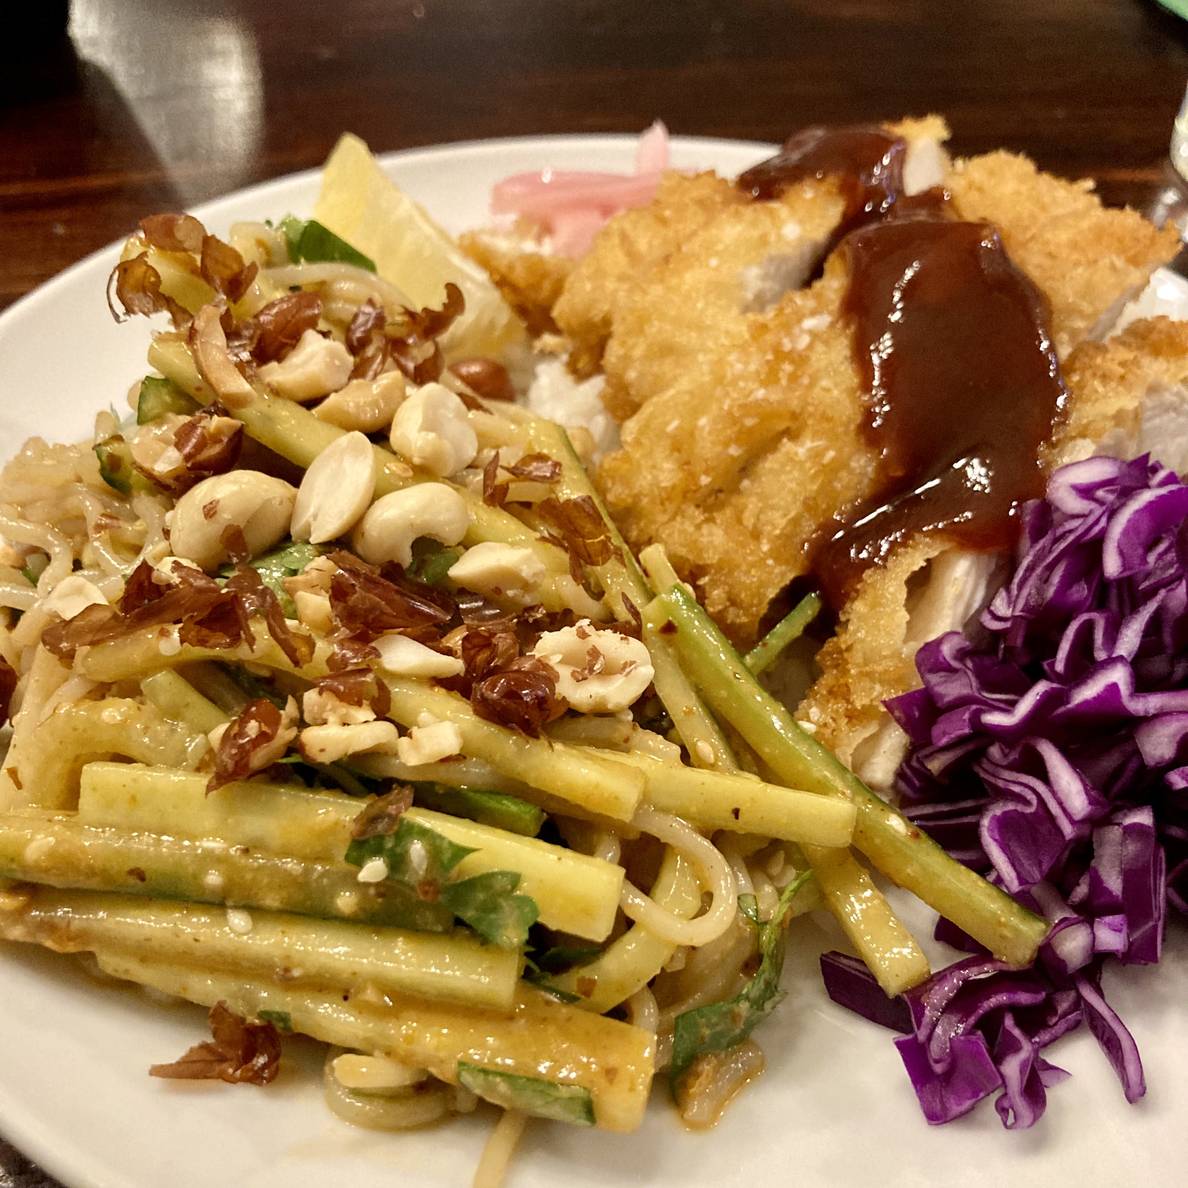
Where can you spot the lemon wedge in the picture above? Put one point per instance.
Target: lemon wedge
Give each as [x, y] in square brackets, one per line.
[360, 203]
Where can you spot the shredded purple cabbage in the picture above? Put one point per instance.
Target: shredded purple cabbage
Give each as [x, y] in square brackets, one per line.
[1050, 751]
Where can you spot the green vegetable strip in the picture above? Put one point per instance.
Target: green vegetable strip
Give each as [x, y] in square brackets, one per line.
[720, 1026]
[702, 736]
[741, 803]
[541, 1037]
[578, 774]
[292, 431]
[769, 649]
[576, 893]
[496, 809]
[63, 852]
[454, 967]
[529, 1095]
[178, 700]
[897, 847]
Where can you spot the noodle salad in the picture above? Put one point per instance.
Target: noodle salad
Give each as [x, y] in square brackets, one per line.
[340, 707]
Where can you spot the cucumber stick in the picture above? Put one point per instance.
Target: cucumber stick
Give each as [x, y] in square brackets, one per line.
[63, 852]
[262, 944]
[575, 893]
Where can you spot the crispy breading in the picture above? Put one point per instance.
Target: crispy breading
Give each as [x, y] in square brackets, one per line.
[734, 474]
[1128, 395]
[626, 250]
[692, 309]
[1088, 259]
[530, 281]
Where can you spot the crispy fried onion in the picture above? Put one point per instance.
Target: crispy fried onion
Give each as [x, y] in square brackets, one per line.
[253, 741]
[522, 696]
[136, 285]
[579, 529]
[366, 601]
[241, 1052]
[382, 815]
[209, 443]
[532, 468]
[275, 330]
[8, 681]
[409, 340]
[358, 686]
[206, 614]
[208, 343]
[261, 601]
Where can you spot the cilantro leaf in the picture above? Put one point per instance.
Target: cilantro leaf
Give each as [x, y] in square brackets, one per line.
[287, 561]
[413, 853]
[530, 1095]
[719, 1026]
[310, 240]
[488, 904]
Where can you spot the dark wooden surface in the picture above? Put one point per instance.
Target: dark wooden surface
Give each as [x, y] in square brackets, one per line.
[155, 104]
[151, 104]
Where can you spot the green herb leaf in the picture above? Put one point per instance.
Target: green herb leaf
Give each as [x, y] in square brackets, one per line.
[721, 1025]
[310, 240]
[431, 561]
[422, 859]
[488, 904]
[287, 561]
[281, 1020]
[562, 957]
[488, 808]
[529, 1095]
[414, 854]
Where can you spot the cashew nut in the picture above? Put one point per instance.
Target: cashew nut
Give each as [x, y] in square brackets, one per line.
[319, 707]
[313, 368]
[598, 672]
[313, 611]
[72, 595]
[430, 742]
[328, 744]
[336, 490]
[432, 430]
[366, 405]
[406, 657]
[209, 516]
[505, 571]
[387, 530]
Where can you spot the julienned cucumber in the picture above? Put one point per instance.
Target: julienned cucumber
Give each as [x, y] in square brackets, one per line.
[159, 396]
[529, 1095]
[116, 469]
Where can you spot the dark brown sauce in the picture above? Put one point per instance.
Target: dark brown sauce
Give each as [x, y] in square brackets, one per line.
[962, 382]
[867, 160]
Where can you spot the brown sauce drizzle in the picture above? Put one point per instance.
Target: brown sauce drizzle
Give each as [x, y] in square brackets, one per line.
[867, 159]
[962, 382]
[952, 343]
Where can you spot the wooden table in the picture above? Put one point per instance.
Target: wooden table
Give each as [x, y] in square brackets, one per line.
[157, 104]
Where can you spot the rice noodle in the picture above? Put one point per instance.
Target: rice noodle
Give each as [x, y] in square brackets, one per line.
[715, 875]
[718, 1077]
[499, 1149]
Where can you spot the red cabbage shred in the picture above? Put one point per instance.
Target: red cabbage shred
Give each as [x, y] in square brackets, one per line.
[1049, 750]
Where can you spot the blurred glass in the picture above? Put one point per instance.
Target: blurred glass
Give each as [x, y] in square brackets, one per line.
[1179, 142]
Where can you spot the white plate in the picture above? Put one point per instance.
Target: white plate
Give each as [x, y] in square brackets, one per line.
[833, 1107]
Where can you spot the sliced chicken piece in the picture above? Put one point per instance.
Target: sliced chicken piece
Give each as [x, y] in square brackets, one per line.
[1127, 396]
[626, 251]
[1090, 260]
